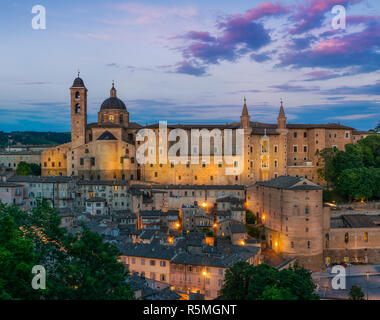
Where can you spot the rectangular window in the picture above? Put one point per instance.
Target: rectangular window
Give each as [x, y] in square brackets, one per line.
[295, 149]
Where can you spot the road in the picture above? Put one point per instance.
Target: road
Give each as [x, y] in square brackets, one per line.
[355, 274]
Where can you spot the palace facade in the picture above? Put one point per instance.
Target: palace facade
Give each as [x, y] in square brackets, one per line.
[106, 149]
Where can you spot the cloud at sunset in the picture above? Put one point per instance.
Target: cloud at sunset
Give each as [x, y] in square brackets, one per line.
[203, 57]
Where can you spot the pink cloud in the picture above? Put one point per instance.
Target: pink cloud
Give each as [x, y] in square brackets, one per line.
[311, 15]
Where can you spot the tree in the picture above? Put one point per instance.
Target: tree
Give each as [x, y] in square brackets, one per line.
[236, 281]
[356, 293]
[250, 217]
[298, 280]
[273, 293]
[92, 270]
[247, 282]
[80, 266]
[23, 169]
[27, 169]
[253, 231]
[377, 128]
[359, 183]
[327, 171]
[17, 259]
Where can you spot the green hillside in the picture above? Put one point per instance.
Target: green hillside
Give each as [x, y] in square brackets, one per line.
[33, 138]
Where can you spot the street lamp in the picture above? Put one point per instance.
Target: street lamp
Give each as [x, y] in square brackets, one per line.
[204, 274]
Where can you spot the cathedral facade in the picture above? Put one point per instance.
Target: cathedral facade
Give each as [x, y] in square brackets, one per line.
[106, 149]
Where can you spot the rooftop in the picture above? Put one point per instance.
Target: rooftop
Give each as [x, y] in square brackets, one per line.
[289, 182]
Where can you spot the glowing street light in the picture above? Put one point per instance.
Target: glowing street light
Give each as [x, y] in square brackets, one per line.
[215, 225]
[204, 204]
[276, 244]
[263, 217]
[204, 273]
[242, 242]
[177, 225]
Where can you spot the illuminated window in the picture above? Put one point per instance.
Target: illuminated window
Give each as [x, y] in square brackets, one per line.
[366, 236]
[112, 117]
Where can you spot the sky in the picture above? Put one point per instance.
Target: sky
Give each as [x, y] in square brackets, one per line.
[191, 61]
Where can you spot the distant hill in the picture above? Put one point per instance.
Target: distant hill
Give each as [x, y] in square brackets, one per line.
[33, 138]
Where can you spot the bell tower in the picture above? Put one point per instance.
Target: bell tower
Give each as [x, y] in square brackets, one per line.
[281, 119]
[78, 93]
[244, 118]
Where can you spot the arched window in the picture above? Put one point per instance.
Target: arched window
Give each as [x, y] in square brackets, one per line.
[346, 237]
[365, 236]
[112, 117]
[121, 118]
[77, 108]
[327, 240]
[77, 95]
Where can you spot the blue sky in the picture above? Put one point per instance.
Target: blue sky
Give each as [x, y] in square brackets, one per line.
[191, 61]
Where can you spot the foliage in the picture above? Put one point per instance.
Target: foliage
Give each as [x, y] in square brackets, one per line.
[33, 138]
[16, 259]
[80, 266]
[28, 169]
[377, 128]
[247, 282]
[207, 231]
[250, 217]
[360, 183]
[356, 293]
[254, 232]
[273, 293]
[354, 171]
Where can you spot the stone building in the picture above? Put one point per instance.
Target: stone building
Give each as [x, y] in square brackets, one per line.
[294, 217]
[188, 266]
[11, 193]
[298, 225]
[11, 158]
[59, 192]
[353, 238]
[106, 150]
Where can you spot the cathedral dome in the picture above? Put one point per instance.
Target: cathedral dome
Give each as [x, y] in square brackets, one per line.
[113, 102]
[78, 83]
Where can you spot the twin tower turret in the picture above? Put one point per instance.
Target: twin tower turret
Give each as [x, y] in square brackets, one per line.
[245, 118]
